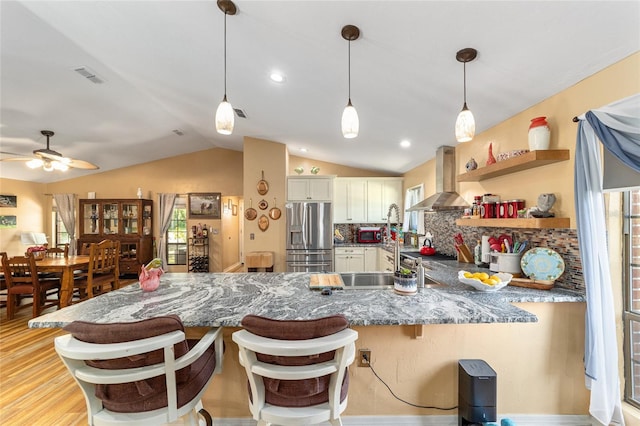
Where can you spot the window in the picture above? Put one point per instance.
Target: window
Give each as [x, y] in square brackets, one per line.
[631, 283]
[177, 234]
[60, 232]
[415, 196]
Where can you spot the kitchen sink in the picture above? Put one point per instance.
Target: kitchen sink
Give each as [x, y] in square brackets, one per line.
[376, 281]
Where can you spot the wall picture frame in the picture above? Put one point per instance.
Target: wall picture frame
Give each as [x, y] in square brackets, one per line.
[205, 205]
[234, 209]
[8, 201]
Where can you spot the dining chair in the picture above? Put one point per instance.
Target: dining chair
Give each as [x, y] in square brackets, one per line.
[58, 251]
[159, 375]
[103, 272]
[297, 370]
[22, 280]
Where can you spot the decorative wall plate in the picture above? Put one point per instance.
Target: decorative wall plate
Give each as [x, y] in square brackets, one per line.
[542, 264]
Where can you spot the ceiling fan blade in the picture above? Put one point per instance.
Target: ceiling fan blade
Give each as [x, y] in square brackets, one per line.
[81, 164]
[51, 155]
[17, 159]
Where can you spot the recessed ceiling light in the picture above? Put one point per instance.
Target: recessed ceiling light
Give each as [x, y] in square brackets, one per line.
[277, 77]
[303, 149]
[405, 144]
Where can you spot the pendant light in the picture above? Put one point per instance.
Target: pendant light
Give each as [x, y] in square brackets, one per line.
[224, 113]
[350, 122]
[465, 124]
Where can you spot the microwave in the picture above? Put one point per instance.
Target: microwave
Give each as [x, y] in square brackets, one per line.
[369, 234]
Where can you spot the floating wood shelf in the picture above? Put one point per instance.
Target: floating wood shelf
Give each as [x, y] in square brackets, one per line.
[516, 164]
[540, 223]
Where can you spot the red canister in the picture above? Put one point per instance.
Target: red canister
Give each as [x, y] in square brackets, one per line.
[503, 210]
[513, 207]
[488, 210]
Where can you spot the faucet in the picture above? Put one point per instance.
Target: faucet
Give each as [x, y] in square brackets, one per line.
[396, 248]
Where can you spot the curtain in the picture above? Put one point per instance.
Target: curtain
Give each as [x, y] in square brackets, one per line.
[617, 126]
[166, 210]
[66, 204]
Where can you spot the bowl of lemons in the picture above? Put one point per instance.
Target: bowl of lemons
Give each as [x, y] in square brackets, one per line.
[483, 281]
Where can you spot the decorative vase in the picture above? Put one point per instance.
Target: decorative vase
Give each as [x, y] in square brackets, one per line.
[471, 165]
[491, 159]
[139, 193]
[539, 134]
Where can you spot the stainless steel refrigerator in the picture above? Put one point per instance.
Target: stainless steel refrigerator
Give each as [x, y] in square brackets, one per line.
[309, 237]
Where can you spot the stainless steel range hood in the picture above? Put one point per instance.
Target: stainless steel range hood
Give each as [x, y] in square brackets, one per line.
[446, 197]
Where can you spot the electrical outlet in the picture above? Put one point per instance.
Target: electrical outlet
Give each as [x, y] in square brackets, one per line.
[364, 357]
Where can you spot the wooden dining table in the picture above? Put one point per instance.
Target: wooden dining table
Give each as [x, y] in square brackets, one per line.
[65, 266]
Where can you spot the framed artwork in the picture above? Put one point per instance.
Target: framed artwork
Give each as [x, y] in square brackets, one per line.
[234, 209]
[205, 205]
[8, 222]
[8, 201]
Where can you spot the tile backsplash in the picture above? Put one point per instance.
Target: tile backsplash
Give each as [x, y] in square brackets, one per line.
[562, 240]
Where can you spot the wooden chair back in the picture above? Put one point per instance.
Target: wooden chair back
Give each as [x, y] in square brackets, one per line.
[103, 272]
[22, 279]
[58, 251]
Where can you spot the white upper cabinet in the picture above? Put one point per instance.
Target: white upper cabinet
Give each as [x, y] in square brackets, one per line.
[381, 193]
[310, 188]
[365, 200]
[349, 201]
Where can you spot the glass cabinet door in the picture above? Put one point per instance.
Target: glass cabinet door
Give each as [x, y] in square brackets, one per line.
[90, 218]
[129, 218]
[110, 218]
[146, 220]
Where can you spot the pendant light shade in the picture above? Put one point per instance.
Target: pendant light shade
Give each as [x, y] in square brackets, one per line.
[465, 123]
[224, 114]
[224, 117]
[350, 121]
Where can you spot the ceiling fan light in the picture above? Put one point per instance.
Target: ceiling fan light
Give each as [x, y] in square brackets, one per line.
[224, 117]
[465, 125]
[35, 163]
[350, 122]
[47, 166]
[58, 165]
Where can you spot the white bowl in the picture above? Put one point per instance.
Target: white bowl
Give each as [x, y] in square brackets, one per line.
[505, 278]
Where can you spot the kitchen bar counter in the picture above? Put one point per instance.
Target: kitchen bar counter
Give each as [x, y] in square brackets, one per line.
[219, 299]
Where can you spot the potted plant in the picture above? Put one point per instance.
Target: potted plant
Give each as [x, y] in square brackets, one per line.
[405, 281]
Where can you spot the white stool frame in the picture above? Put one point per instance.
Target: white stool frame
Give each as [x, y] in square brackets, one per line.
[74, 352]
[266, 414]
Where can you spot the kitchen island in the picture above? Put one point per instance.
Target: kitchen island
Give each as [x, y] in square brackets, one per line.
[528, 336]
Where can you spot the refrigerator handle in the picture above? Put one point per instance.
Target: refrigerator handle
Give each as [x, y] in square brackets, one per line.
[309, 242]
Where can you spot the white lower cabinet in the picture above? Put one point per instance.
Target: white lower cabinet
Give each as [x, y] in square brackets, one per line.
[349, 259]
[371, 259]
[385, 260]
[358, 259]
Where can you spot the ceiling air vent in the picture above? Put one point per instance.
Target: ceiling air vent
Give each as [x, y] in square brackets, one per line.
[89, 74]
[240, 113]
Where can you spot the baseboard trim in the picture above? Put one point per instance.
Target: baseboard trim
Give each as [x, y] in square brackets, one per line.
[449, 420]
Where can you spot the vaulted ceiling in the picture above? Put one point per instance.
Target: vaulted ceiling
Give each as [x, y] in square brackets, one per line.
[161, 63]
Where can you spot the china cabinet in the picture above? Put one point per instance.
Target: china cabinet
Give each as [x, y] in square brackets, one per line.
[129, 221]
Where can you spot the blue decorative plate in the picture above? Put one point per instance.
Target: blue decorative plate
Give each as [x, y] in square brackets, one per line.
[542, 264]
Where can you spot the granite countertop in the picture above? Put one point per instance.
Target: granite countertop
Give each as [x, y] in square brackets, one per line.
[221, 299]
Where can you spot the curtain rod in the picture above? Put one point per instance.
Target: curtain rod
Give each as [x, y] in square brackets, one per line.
[575, 119]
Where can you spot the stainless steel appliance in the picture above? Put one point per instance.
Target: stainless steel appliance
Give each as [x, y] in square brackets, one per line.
[309, 237]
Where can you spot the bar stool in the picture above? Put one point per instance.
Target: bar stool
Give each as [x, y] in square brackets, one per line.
[259, 260]
[297, 370]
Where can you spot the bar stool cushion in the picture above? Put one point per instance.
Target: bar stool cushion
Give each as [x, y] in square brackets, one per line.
[297, 393]
[149, 394]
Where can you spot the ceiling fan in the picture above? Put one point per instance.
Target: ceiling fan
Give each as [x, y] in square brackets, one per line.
[51, 160]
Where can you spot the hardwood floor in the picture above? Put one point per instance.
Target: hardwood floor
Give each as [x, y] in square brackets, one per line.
[35, 387]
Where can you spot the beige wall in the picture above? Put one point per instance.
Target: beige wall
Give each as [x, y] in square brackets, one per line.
[31, 213]
[538, 366]
[330, 168]
[613, 83]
